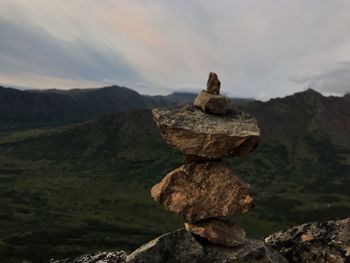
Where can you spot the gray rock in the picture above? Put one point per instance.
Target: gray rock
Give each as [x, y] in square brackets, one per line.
[196, 133]
[252, 251]
[181, 246]
[314, 242]
[178, 246]
[100, 257]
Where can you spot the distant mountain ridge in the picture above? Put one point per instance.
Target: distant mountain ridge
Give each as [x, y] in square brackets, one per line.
[30, 108]
[307, 111]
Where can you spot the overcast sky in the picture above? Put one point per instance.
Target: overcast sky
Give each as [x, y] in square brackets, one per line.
[260, 49]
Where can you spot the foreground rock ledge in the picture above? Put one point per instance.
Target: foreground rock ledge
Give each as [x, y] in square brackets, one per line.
[313, 242]
[198, 191]
[182, 247]
[196, 133]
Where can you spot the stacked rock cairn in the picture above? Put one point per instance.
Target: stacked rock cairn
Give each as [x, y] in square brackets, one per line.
[204, 191]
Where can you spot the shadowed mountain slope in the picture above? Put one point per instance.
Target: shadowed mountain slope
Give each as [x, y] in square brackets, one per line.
[31, 108]
[303, 112]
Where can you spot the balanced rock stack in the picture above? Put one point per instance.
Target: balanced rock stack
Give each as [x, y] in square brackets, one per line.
[204, 191]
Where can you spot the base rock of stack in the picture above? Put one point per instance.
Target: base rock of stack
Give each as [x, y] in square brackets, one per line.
[178, 246]
[197, 133]
[181, 246]
[197, 191]
[218, 232]
[212, 103]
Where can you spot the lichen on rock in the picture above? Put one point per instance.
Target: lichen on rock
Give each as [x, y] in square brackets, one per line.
[314, 242]
[194, 132]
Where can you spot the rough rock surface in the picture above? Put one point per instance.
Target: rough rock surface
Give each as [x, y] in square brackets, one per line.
[314, 242]
[196, 133]
[213, 84]
[181, 246]
[219, 232]
[212, 103]
[100, 257]
[197, 191]
[252, 251]
[178, 246]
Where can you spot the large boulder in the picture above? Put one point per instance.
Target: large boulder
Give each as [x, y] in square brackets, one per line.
[178, 246]
[219, 232]
[200, 190]
[314, 242]
[181, 246]
[196, 133]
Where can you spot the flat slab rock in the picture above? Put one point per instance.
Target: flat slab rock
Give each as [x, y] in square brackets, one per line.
[314, 242]
[218, 232]
[196, 191]
[196, 133]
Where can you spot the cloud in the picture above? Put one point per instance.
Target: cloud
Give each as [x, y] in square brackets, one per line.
[30, 51]
[333, 81]
[256, 47]
[33, 81]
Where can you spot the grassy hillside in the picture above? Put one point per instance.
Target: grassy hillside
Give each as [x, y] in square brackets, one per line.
[85, 187]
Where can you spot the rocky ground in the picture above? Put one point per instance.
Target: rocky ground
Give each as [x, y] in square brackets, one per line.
[312, 242]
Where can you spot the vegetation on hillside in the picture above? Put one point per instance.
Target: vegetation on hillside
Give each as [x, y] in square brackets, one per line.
[84, 187]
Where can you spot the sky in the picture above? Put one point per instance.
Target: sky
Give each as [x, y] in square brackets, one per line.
[259, 49]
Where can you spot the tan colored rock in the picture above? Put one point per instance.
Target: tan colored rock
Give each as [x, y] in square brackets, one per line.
[211, 103]
[213, 84]
[198, 191]
[218, 232]
[196, 133]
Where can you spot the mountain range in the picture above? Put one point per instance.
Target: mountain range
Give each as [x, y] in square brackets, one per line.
[30, 108]
[81, 187]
